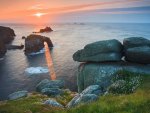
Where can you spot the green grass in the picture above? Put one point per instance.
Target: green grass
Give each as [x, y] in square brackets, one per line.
[137, 102]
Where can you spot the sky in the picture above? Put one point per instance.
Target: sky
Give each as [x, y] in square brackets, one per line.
[48, 11]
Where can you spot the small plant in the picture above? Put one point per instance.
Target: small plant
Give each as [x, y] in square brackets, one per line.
[124, 82]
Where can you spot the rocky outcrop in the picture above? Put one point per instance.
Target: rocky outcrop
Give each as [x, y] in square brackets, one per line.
[53, 103]
[6, 35]
[46, 29]
[90, 94]
[34, 43]
[18, 95]
[101, 73]
[52, 91]
[49, 84]
[101, 51]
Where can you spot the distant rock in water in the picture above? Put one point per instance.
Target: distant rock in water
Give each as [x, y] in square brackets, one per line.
[6, 36]
[23, 37]
[46, 29]
[35, 43]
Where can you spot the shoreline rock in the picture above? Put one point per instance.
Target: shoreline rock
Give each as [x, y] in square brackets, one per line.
[6, 36]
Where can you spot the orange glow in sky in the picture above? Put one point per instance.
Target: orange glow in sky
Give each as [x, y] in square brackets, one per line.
[50, 10]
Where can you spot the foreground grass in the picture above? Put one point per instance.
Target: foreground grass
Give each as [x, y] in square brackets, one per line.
[137, 102]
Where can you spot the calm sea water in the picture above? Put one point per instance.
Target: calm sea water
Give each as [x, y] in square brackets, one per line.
[67, 39]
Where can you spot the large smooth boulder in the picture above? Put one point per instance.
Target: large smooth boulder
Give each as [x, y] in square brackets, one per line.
[3, 49]
[101, 73]
[135, 42]
[138, 54]
[53, 103]
[34, 43]
[108, 50]
[6, 34]
[49, 84]
[18, 95]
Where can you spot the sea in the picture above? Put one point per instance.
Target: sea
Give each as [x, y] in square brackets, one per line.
[67, 39]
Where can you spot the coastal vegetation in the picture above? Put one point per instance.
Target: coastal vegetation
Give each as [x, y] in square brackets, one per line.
[135, 102]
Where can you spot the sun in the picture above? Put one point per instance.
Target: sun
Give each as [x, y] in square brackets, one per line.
[39, 14]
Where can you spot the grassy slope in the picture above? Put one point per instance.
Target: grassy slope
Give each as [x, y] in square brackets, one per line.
[138, 102]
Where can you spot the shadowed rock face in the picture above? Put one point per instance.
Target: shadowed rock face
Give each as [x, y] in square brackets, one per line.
[34, 43]
[135, 42]
[101, 73]
[3, 49]
[6, 36]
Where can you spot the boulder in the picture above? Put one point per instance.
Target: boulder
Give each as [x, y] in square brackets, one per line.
[101, 73]
[18, 95]
[6, 34]
[3, 49]
[108, 50]
[34, 43]
[86, 96]
[53, 103]
[52, 91]
[138, 54]
[49, 84]
[81, 56]
[135, 42]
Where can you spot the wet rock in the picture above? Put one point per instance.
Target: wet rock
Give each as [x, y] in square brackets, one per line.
[138, 54]
[53, 103]
[18, 95]
[101, 73]
[35, 43]
[108, 50]
[3, 49]
[49, 84]
[52, 91]
[135, 42]
[10, 47]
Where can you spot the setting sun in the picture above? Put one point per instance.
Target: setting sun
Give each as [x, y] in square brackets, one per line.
[39, 14]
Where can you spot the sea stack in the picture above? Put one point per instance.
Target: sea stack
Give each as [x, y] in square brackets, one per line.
[35, 43]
